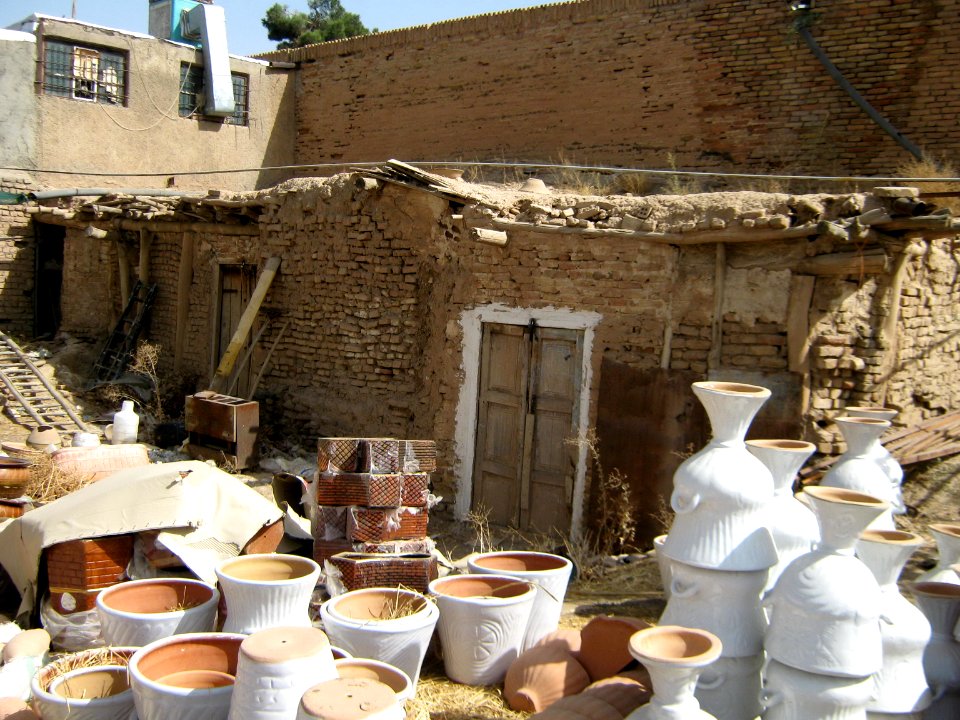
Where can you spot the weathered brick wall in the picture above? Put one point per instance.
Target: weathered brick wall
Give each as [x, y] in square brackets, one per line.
[90, 297]
[16, 263]
[705, 84]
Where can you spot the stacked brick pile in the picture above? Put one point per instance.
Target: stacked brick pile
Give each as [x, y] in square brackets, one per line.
[370, 519]
[77, 570]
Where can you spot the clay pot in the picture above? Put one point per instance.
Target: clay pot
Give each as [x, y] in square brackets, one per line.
[550, 573]
[624, 692]
[792, 694]
[275, 668]
[138, 612]
[483, 619]
[580, 707]
[719, 493]
[32, 643]
[114, 701]
[391, 625]
[185, 677]
[44, 438]
[940, 603]
[605, 645]
[563, 639]
[947, 537]
[674, 656]
[887, 462]
[349, 699]
[14, 474]
[267, 590]
[15, 709]
[393, 677]
[541, 676]
[730, 687]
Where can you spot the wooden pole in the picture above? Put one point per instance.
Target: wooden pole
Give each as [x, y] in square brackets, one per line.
[145, 240]
[229, 359]
[123, 268]
[889, 335]
[184, 283]
[798, 333]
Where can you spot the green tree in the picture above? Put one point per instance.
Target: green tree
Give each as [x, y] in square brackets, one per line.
[325, 20]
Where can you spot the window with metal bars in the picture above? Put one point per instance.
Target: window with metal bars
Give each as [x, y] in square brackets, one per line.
[84, 72]
[192, 98]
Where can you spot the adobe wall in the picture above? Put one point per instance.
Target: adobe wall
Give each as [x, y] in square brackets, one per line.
[16, 263]
[721, 85]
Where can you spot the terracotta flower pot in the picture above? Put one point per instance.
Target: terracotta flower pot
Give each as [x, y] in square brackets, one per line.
[138, 612]
[185, 677]
[113, 701]
[14, 474]
[541, 676]
[267, 590]
[393, 677]
[349, 699]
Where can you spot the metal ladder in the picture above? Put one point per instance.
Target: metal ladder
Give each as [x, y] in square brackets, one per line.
[31, 399]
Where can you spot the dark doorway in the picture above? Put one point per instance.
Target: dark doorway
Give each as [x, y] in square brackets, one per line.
[48, 279]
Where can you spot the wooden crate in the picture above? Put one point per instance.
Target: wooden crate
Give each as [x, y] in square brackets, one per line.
[222, 428]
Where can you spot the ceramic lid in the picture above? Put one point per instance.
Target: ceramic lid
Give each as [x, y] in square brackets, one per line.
[347, 699]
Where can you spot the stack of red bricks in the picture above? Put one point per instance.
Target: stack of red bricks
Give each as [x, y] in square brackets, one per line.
[372, 499]
[77, 570]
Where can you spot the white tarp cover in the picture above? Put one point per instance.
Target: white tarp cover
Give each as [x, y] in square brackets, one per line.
[210, 514]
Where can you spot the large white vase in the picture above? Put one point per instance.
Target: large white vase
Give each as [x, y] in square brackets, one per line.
[825, 609]
[267, 590]
[901, 684]
[550, 573]
[940, 602]
[719, 493]
[887, 462]
[792, 694]
[947, 536]
[729, 689]
[857, 468]
[674, 656]
[792, 524]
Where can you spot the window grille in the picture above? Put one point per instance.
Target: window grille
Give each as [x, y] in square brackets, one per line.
[86, 73]
[193, 98]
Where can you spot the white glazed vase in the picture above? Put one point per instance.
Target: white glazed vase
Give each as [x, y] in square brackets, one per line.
[663, 564]
[858, 470]
[792, 694]
[725, 603]
[947, 536]
[940, 603]
[792, 524]
[729, 689]
[887, 462]
[901, 686]
[483, 620]
[275, 668]
[719, 493]
[550, 573]
[675, 657]
[267, 590]
[366, 624]
[831, 591]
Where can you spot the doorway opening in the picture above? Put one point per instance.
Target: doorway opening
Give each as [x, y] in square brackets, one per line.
[48, 279]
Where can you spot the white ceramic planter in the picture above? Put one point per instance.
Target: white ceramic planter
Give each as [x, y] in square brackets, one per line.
[550, 573]
[93, 693]
[395, 678]
[275, 668]
[268, 590]
[880, 455]
[831, 591]
[857, 469]
[720, 492]
[901, 686]
[663, 564]
[362, 622]
[483, 619]
[349, 698]
[729, 689]
[674, 657]
[54, 707]
[185, 677]
[792, 694]
[138, 612]
[940, 603]
[947, 537]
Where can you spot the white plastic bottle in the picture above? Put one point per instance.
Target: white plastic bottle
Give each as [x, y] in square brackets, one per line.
[126, 422]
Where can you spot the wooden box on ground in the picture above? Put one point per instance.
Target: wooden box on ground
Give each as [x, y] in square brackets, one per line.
[222, 428]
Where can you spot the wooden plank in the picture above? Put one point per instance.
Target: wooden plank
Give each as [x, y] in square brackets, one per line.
[145, 242]
[869, 262]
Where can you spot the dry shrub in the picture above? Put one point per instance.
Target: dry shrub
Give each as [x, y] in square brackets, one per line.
[479, 520]
[48, 482]
[932, 168]
[443, 699]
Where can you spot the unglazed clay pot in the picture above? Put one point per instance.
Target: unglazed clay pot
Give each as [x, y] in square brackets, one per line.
[267, 590]
[44, 437]
[387, 624]
[483, 619]
[624, 692]
[15, 709]
[605, 645]
[901, 686]
[792, 694]
[349, 699]
[792, 524]
[550, 573]
[831, 590]
[857, 468]
[541, 676]
[947, 536]
[674, 656]
[940, 602]
[51, 705]
[185, 677]
[138, 612]
[14, 474]
[719, 494]
[393, 677]
[275, 668]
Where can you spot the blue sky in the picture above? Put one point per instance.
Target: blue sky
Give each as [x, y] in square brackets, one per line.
[245, 33]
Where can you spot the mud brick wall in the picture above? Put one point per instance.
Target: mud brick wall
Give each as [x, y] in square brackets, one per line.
[16, 263]
[704, 84]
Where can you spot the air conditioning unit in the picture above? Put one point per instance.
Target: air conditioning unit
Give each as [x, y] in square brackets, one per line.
[165, 20]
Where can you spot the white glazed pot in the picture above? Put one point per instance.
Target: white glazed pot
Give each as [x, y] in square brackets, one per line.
[675, 657]
[185, 677]
[725, 603]
[824, 611]
[719, 493]
[550, 573]
[275, 668]
[268, 590]
[792, 694]
[353, 698]
[69, 696]
[940, 603]
[901, 684]
[880, 455]
[365, 623]
[395, 678]
[54, 707]
[138, 612]
[857, 468]
[663, 564]
[483, 620]
[947, 537]
[729, 689]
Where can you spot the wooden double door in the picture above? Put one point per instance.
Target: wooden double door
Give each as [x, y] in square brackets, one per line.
[527, 415]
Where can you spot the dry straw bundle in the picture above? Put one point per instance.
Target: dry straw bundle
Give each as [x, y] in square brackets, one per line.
[49, 482]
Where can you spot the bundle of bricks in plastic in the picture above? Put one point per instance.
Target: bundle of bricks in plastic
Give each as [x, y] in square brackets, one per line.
[370, 521]
[77, 570]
